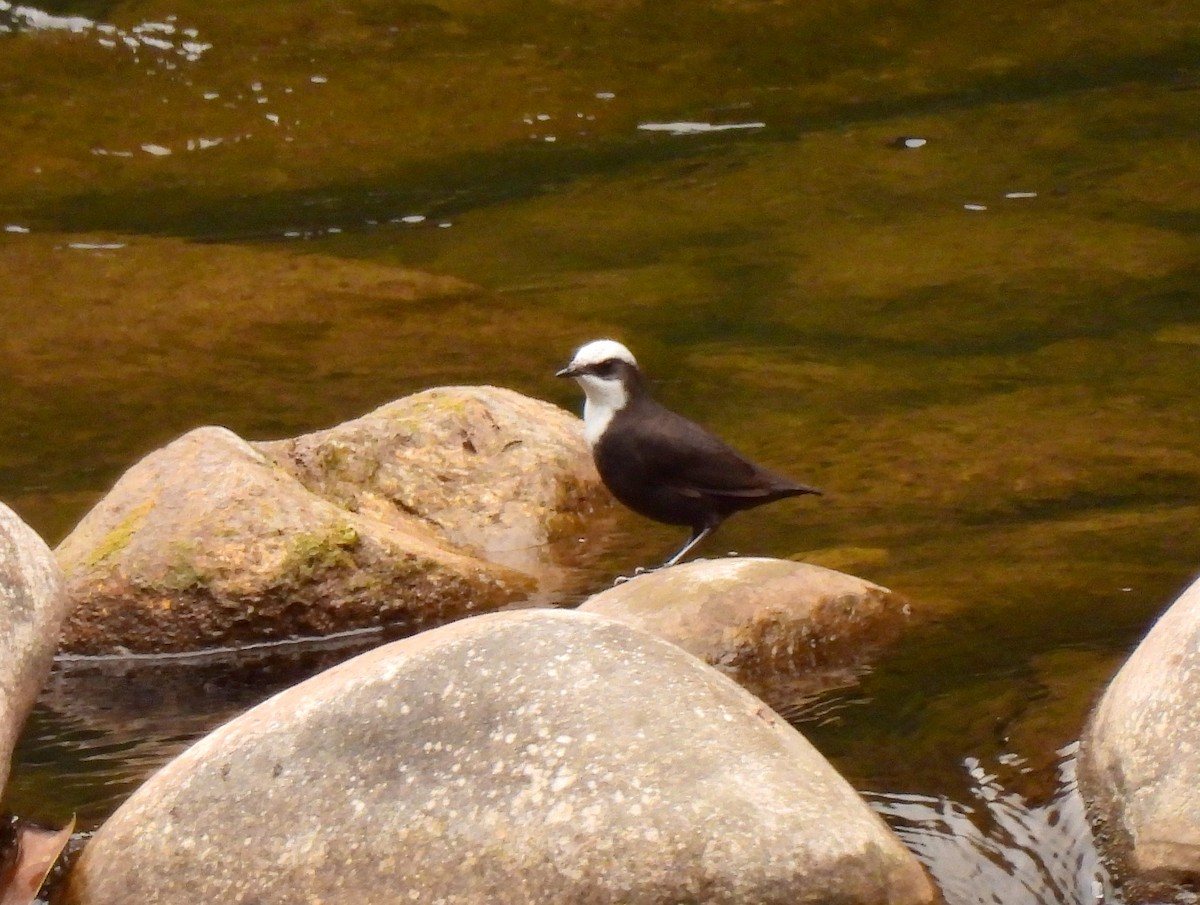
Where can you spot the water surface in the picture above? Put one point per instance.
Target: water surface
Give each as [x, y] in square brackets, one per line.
[983, 343]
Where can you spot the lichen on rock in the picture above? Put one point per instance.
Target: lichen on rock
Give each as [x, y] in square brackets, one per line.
[533, 756]
[428, 509]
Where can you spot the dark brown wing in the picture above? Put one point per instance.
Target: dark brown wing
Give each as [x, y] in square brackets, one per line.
[684, 456]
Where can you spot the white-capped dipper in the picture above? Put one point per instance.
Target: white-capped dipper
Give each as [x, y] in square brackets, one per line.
[658, 463]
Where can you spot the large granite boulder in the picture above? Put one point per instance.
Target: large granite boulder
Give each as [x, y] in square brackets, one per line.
[33, 602]
[521, 757]
[1139, 764]
[399, 518]
[774, 625]
[496, 474]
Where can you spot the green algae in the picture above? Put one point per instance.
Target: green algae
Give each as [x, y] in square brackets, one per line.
[311, 554]
[118, 538]
[183, 576]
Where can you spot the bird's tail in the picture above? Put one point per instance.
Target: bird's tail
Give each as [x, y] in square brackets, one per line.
[794, 489]
[785, 486]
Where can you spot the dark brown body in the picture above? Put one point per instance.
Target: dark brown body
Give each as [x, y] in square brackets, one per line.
[658, 463]
[665, 467]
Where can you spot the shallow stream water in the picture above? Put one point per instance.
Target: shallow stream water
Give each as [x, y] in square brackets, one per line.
[938, 259]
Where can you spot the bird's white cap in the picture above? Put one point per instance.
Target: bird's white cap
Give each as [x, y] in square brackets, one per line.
[599, 350]
[606, 394]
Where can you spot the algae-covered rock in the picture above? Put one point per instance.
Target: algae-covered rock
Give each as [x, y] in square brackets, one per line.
[521, 757]
[764, 621]
[214, 541]
[492, 471]
[1139, 764]
[33, 602]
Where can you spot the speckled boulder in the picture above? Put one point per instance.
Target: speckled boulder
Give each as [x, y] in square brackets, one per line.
[398, 518]
[1139, 764]
[522, 757]
[33, 602]
[769, 623]
[496, 474]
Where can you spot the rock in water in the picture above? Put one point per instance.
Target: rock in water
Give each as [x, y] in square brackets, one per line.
[520, 757]
[769, 623]
[33, 602]
[1139, 764]
[207, 543]
[397, 518]
[496, 474]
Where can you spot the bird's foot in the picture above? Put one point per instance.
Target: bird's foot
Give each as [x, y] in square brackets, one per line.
[639, 571]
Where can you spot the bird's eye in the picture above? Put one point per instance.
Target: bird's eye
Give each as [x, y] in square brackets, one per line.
[607, 369]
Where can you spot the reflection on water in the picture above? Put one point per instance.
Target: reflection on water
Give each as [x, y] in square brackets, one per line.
[103, 725]
[999, 849]
[70, 768]
[687, 128]
[164, 42]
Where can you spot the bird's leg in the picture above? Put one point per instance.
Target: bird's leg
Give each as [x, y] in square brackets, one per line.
[696, 537]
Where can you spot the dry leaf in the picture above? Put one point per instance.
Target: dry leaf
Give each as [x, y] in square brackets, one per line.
[27, 852]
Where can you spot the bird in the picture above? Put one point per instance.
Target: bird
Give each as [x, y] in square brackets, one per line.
[658, 463]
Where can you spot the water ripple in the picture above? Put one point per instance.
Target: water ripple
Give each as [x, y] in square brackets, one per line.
[1000, 849]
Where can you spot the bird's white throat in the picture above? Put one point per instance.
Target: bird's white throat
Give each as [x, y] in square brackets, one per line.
[604, 399]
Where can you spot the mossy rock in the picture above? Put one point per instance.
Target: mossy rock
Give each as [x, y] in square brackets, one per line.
[401, 518]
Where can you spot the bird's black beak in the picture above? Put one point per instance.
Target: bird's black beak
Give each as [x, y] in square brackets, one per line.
[568, 371]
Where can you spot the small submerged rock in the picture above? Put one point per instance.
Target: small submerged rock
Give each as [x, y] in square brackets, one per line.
[1139, 764]
[401, 517]
[763, 621]
[33, 602]
[518, 757]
